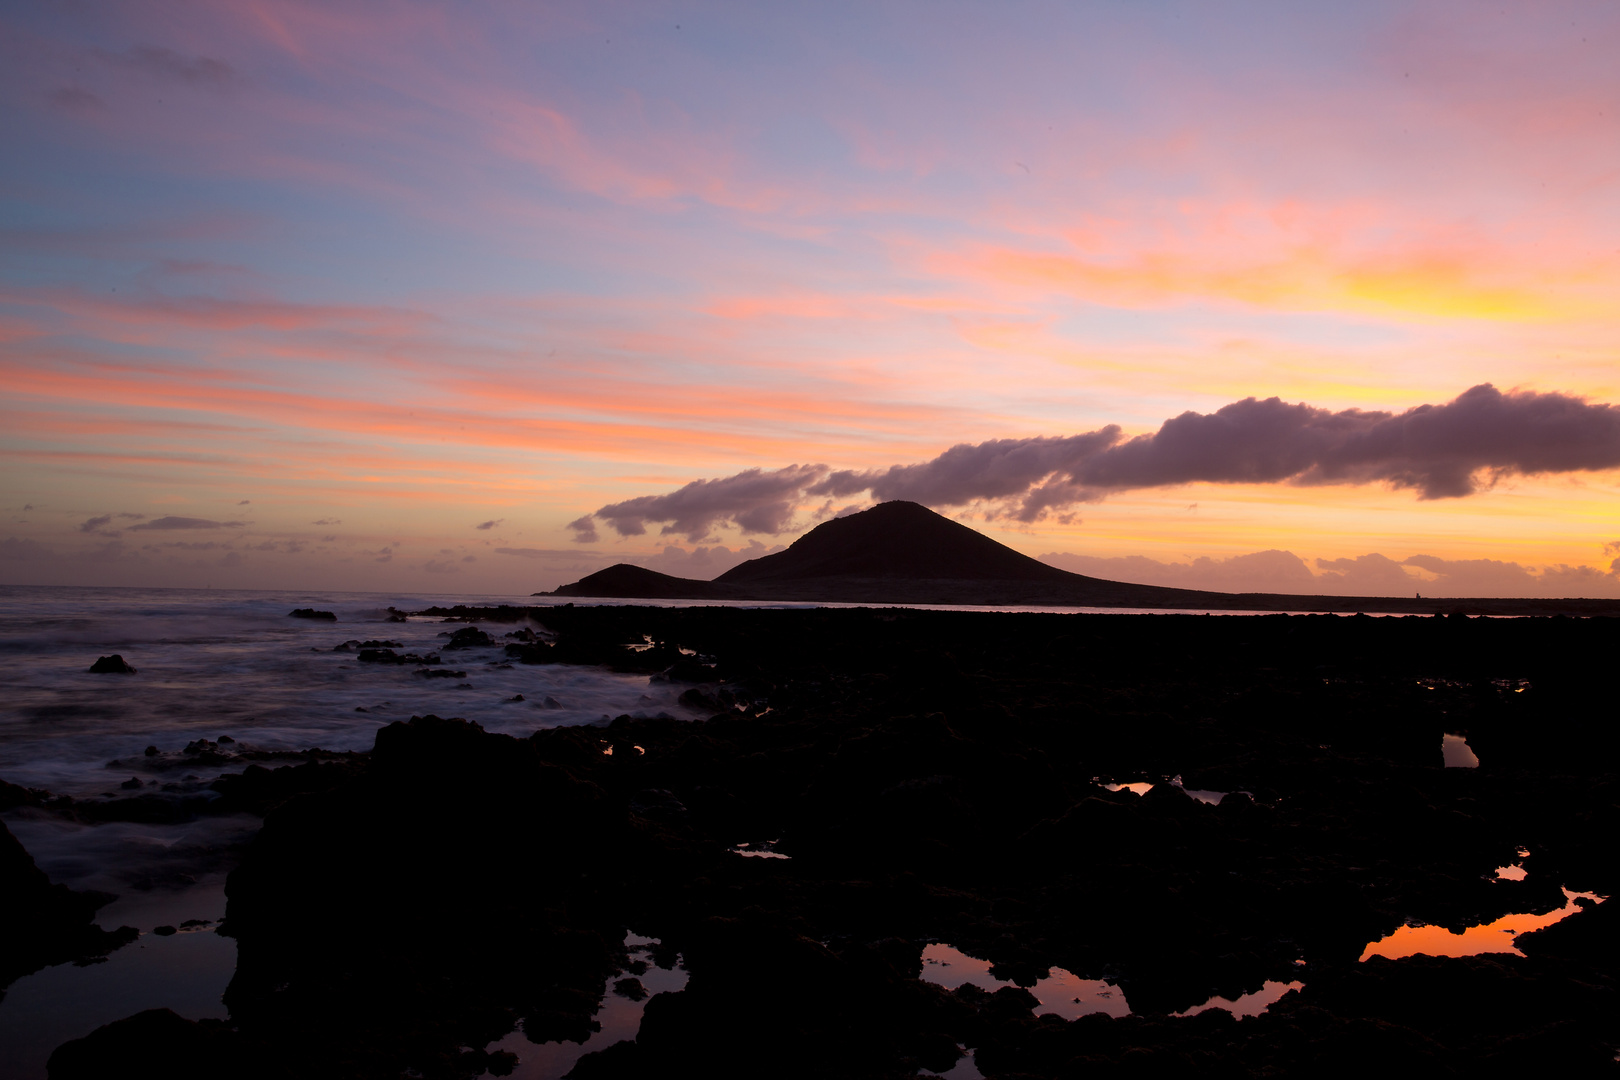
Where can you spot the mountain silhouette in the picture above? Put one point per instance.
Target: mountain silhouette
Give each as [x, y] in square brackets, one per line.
[894, 540]
[904, 553]
[896, 552]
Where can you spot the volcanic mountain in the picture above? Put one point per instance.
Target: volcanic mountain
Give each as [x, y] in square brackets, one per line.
[896, 552]
[903, 553]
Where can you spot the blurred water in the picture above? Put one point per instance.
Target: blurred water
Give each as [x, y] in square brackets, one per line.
[214, 663]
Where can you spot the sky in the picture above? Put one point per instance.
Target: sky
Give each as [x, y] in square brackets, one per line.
[483, 297]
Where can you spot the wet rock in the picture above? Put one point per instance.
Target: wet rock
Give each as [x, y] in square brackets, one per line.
[14, 795]
[515, 698]
[468, 637]
[311, 613]
[151, 751]
[697, 699]
[389, 656]
[532, 653]
[439, 673]
[155, 1042]
[630, 988]
[111, 665]
[494, 935]
[258, 790]
[43, 924]
[164, 931]
[688, 669]
[132, 784]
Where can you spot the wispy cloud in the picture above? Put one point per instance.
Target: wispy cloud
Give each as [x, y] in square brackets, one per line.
[173, 523]
[166, 65]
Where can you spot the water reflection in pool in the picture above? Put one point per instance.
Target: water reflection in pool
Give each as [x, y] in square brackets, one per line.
[1142, 787]
[1250, 1004]
[619, 1017]
[1060, 992]
[1456, 753]
[1492, 937]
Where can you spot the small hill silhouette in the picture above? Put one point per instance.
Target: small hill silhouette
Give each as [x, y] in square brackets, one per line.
[895, 540]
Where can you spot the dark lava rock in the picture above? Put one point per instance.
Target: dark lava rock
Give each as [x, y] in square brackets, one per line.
[539, 652]
[14, 795]
[111, 665]
[511, 918]
[439, 673]
[258, 790]
[468, 637]
[355, 643]
[630, 988]
[311, 613]
[43, 924]
[389, 656]
[164, 931]
[152, 1043]
[132, 784]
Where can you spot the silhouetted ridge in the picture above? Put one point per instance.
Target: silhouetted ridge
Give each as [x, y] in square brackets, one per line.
[623, 579]
[895, 540]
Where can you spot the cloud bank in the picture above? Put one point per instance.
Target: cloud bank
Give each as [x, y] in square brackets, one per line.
[1439, 451]
[1364, 575]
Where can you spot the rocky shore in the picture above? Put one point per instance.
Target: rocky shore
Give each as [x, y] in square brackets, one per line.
[950, 777]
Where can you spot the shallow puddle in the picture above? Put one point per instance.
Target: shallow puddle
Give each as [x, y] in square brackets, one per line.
[1456, 753]
[1491, 937]
[186, 972]
[1250, 1004]
[1516, 871]
[1061, 993]
[1142, 787]
[766, 850]
[966, 1068]
[619, 1017]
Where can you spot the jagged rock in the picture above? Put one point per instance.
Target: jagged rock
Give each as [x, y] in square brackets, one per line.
[43, 924]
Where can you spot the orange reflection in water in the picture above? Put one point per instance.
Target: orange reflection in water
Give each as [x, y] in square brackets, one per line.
[1492, 937]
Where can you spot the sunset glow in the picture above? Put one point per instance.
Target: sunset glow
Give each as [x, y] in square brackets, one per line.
[391, 302]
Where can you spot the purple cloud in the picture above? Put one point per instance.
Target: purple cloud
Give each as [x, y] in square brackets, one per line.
[184, 523]
[167, 65]
[755, 501]
[1439, 451]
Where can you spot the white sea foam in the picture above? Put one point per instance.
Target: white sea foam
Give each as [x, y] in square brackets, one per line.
[214, 663]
